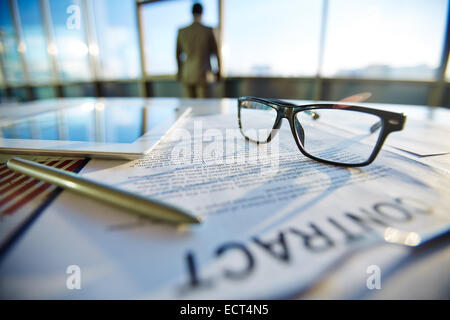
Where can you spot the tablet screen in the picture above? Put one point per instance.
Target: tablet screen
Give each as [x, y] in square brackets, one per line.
[90, 122]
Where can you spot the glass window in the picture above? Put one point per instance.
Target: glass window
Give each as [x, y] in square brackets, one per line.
[117, 89]
[160, 23]
[35, 49]
[44, 92]
[400, 39]
[71, 48]
[19, 94]
[117, 37]
[79, 90]
[2, 80]
[271, 37]
[9, 47]
[2, 95]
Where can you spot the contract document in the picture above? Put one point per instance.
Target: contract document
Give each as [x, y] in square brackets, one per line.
[422, 138]
[274, 221]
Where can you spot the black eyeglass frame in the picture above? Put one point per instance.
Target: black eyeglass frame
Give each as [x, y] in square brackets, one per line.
[390, 122]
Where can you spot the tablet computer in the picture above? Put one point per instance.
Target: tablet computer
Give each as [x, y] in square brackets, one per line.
[92, 129]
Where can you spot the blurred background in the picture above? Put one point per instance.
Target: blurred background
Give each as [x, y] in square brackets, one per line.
[292, 49]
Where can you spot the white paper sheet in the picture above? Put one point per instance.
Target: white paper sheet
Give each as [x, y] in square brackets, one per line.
[264, 235]
[422, 138]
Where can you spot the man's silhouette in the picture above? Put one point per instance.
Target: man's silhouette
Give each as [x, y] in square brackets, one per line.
[195, 45]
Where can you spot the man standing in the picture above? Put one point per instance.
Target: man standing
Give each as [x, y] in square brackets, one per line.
[195, 45]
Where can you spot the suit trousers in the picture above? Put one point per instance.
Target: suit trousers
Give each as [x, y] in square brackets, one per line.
[200, 90]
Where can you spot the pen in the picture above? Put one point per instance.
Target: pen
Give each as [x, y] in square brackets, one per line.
[102, 192]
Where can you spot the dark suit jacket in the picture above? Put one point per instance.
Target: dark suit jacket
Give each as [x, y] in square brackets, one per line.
[196, 43]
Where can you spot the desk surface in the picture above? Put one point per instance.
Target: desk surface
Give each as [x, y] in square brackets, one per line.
[420, 273]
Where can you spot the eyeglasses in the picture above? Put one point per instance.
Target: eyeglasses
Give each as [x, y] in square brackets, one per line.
[338, 134]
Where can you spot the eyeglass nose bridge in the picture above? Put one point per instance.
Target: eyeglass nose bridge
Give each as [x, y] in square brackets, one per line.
[283, 112]
[286, 112]
[296, 127]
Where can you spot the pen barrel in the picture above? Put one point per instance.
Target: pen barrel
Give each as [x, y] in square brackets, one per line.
[102, 192]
